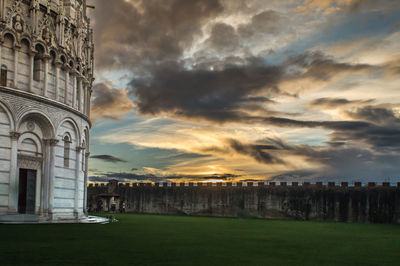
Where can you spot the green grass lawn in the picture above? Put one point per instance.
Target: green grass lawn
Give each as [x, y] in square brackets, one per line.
[173, 240]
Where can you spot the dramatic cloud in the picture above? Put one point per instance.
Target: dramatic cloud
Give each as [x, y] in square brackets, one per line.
[110, 103]
[107, 158]
[276, 88]
[223, 95]
[135, 34]
[256, 152]
[336, 102]
[317, 66]
[214, 95]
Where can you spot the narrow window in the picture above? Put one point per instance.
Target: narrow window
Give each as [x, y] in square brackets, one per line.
[37, 65]
[67, 144]
[3, 76]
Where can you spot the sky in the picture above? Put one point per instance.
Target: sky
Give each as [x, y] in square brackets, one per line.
[246, 90]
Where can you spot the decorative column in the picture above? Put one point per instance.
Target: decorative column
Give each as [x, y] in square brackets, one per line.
[44, 186]
[13, 184]
[89, 90]
[77, 176]
[46, 59]
[16, 56]
[58, 65]
[31, 60]
[80, 94]
[84, 88]
[3, 10]
[1, 59]
[73, 89]
[87, 154]
[52, 155]
[66, 85]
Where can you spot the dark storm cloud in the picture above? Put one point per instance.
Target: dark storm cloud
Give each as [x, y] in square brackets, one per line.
[379, 115]
[108, 158]
[147, 32]
[338, 161]
[255, 151]
[110, 103]
[264, 23]
[377, 135]
[212, 95]
[355, 163]
[336, 102]
[220, 95]
[318, 66]
[149, 38]
[223, 38]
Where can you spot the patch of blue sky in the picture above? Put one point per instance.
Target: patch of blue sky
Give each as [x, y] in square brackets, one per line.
[136, 157]
[105, 126]
[308, 136]
[119, 78]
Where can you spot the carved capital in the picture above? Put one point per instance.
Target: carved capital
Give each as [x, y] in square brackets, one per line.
[67, 68]
[15, 135]
[58, 63]
[32, 52]
[46, 57]
[80, 148]
[50, 142]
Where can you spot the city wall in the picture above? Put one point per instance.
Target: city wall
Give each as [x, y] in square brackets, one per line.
[372, 203]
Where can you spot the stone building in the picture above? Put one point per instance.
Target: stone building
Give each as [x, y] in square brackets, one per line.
[46, 77]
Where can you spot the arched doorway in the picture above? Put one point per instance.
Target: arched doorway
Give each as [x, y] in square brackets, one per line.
[33, 158]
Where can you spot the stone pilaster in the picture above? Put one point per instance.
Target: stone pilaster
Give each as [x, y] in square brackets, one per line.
[85, 181]
[78, 150]
[1, 59]
[58, 66]
[52, 155]
[80, 98]
[31, 62]
[13, 184]
[46, 74]
[16, 58]
[66, 96]
[73, 77]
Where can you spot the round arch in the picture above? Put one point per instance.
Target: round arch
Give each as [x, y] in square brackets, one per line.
[11, 34]
[74, 124]
[86, 136]
[32, 136]
[26, 38]
[11, 118]
[43, 120]
[43, 45]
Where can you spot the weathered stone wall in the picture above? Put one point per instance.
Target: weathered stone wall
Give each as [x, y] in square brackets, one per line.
[376, 204]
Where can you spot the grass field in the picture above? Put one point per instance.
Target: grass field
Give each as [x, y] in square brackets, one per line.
[172, 240]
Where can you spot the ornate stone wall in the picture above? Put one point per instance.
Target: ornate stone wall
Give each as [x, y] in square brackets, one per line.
[46, 47]
[46, 77]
